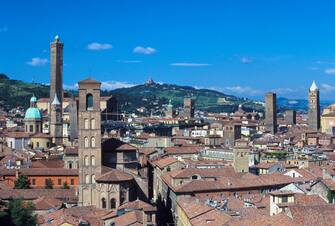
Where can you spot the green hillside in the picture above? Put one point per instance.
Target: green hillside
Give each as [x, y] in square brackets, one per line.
[15, 93]
[156, 95]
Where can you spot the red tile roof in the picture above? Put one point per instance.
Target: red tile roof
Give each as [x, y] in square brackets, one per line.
[138, 205]
[40, 172]
[114, 176]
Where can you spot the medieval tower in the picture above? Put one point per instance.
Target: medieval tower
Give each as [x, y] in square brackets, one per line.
[89, 121]
[314, 107]
[271, 112]
[56, 90]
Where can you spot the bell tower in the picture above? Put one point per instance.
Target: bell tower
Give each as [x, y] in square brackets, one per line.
[89, 121]
[314, 107]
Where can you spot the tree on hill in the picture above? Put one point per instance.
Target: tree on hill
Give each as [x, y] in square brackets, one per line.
[48, 183]
[21, 213]
[22, 182]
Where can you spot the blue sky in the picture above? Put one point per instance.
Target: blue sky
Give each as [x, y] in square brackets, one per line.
[240, 47]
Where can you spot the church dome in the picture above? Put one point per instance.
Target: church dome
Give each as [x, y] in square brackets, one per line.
[33, 113]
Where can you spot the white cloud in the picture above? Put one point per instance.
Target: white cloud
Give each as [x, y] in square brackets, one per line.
[74, 86]
[330, 71]
[3, 29]
[284, 90]
[99, 46]
[130, 61]
[246, 60]
[144, 50]
[105, 85]
[109, 85]
[36, 61]
[189, 64]
[242, 90]
[327, 88]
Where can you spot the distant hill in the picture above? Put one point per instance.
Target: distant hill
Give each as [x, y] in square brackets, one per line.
[156, 95]
[153, 97]
[297, 104]
[15, 93]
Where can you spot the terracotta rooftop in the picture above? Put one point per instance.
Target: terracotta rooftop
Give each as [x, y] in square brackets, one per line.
[138, 205]
[313, 215]
[183, 150]
[46, 203]
[74, 216]
[66, 195]
[200, 214]
[57, 163]
[330, 183]
[114, 176]
[40, 172]
[133, 218]
[163, 162]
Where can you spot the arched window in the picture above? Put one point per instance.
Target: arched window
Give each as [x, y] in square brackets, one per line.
[93, 179]
[92, 142]
[93, 123]
[86, 163]
[86, 125]
[92, 160]
[103, 203]
[89, 102]
[113, 203]
[86, 144]
[87, 179]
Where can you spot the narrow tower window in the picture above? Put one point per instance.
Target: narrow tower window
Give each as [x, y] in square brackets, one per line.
[86, 125]
[92, 160]
[93, 142]
[86, 144]
[89, 102]
[103, 203]
[93, 123]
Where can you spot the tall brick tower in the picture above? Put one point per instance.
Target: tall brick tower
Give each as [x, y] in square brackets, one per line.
[56, 69]
[89, 121]
[189, 108]
[56, 90]
[314, 107]
[271, 112]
